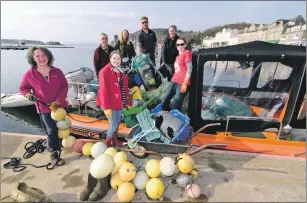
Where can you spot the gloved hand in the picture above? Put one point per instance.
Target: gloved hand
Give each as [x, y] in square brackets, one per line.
[108, 112]
[31, 97]
[184, 88]
[54, 106]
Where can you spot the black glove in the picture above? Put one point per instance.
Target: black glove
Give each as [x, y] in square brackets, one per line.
[31, 97]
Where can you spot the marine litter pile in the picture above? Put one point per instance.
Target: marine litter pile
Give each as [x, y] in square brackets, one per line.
[111, 168]
[129, 178]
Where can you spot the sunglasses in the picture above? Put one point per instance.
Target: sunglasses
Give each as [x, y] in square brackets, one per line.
[144, 22]
[182, 44]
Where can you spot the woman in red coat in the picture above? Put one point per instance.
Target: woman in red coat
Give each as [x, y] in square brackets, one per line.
[113, 96]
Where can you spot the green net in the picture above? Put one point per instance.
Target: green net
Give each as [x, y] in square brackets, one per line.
[149, 130]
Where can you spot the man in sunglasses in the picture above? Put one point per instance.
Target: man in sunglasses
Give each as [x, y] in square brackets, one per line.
[147, 41]
[169, 52]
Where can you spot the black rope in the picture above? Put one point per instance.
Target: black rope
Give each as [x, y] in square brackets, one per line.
[31, 148]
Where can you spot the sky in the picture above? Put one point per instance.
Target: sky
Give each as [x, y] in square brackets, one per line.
[83, 21]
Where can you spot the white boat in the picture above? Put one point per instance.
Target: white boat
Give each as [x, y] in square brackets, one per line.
[79, 91]
[14, 100]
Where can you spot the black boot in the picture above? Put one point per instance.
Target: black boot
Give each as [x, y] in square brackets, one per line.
[91, 183]
[101, 189]
[56, 158]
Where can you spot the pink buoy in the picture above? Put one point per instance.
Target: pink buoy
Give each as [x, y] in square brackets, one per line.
[193, 191]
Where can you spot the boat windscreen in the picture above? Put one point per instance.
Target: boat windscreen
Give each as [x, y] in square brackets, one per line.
[244, 89]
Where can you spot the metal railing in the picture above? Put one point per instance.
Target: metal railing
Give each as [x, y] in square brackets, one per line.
[81, 90]
[254, 118]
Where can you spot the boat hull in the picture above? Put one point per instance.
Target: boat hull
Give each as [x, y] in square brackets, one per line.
[14, 101]
[267, 144]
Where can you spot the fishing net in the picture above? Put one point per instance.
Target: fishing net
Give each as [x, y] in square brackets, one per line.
[149, 130]
[141, 64]
[221, 106]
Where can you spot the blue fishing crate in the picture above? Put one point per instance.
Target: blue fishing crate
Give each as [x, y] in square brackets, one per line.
[184, 132]
[157, 109]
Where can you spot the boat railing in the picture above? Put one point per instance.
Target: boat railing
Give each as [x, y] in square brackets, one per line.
[81, 91]
[254, 118]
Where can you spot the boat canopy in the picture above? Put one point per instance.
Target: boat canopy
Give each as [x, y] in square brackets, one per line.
[246, 87]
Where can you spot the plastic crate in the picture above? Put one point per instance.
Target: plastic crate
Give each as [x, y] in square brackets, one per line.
[184, 132]
[157, 109]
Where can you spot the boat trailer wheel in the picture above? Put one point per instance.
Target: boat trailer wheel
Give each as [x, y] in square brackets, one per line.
[138, 151]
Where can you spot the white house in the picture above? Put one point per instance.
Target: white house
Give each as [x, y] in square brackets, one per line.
[208, 41]
[226, 37]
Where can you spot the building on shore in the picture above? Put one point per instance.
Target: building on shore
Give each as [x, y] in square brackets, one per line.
[295, 35]
[252, 33]
[276, 32]
[279, 27]
[208, 41]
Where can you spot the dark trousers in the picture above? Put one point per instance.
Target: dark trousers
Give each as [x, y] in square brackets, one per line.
[173, 90]
[53, 143]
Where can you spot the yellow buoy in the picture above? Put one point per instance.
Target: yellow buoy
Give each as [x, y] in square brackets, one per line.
[86, 148]
[68, 142]
[63, 133]
[127, 171]
[102, 166]
[117, 166]
[111, 151]
[154, 188]
[126, 192]
[58, 114]
[185, 163]
[119, 156]
[194, 174]
[152, 168]
[115, 181]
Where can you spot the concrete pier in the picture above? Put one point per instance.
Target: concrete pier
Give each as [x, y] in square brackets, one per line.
[222, 176]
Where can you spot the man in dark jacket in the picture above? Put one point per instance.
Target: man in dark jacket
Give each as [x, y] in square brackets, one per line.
[169, 51]
[102, 53]
[147, 40]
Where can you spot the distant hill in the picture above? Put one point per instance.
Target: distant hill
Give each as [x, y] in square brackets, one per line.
[192, 36]
[32, 42]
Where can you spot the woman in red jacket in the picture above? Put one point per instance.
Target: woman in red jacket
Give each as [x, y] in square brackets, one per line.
[48, 84]
[113, 96]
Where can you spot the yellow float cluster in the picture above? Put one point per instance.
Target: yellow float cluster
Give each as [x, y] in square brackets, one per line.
[63, 124]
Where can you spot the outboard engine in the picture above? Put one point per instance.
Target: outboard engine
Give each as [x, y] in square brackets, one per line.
[126, 65]
[76, 91]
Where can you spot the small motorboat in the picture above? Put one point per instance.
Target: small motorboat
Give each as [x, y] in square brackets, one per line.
[14, 100]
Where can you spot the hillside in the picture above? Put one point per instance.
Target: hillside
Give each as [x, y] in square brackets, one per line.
[195, 37]
[32, 42]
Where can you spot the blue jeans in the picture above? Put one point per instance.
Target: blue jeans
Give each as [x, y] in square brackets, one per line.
[114, 122]
[53, 141]
[173, 90]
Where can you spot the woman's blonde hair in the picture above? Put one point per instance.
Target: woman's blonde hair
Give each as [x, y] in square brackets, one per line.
[122, 36]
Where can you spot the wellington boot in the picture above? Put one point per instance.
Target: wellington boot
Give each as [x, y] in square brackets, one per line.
[101, 189]
[88, 189]
[115, 140]
[55, 158]
[108, 142]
